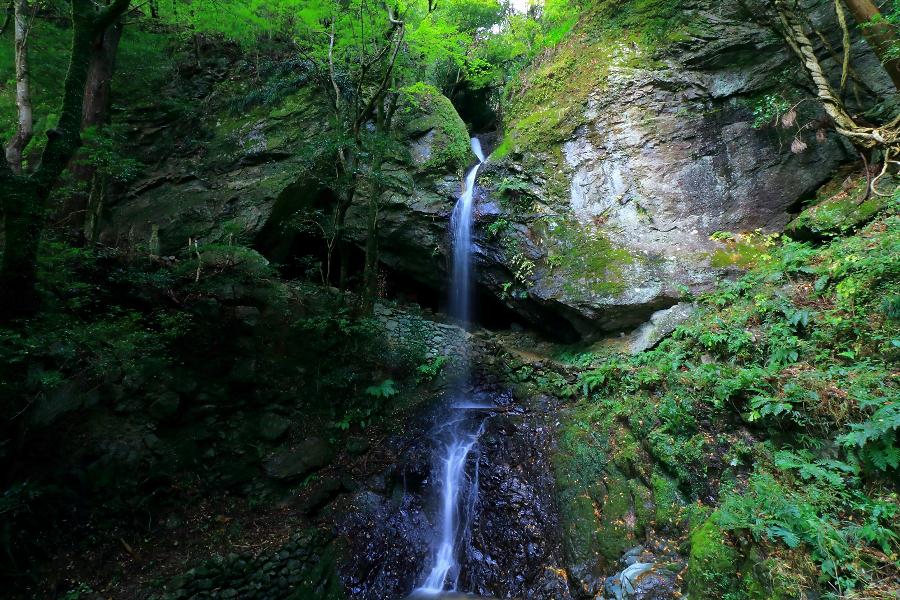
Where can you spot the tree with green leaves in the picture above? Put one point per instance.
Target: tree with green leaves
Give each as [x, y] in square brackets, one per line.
[881, 34]
[362, 53]
[24, 194]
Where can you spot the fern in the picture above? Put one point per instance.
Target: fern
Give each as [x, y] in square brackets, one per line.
[385, 390]
[825, 471]
[875, 437]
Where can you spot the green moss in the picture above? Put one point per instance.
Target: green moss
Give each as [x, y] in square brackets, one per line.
[604, 504]
[837, 213]
[643, 504]
[743, 250]
[590, 260]
[502, 149]
[667, 500]
[712, 563]
[423, 109]
[617, 517]
[545, 106]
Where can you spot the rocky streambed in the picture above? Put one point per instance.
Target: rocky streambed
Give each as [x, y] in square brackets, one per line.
[515, 547]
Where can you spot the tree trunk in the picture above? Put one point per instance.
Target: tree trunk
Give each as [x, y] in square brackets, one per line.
[8, 17]
[885, 137]
[340, 236]
[880, 35]
[24, 126]
[97, 90]
[94, 210]
[23, 198]
[78, 210]
[24, 221]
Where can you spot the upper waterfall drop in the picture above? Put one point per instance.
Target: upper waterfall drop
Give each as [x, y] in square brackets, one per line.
[461, 232]
[476, 149]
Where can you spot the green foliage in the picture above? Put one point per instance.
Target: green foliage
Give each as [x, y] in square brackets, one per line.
[104, 150]
[82, 590]
[383, 390]
[276, 80]
[511, 187]
[429, 370]
[816, 516]
[50, 44]
[875, 438]
[768, 108]
[498, 227]
[802, 350]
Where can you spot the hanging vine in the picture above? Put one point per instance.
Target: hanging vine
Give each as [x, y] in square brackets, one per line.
[882, 138]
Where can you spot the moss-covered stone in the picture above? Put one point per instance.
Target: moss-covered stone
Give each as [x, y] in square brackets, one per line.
[424, 111]
[837, 210]
[741, 250]
[605, 505]
[590, 260]
[667, 500]
[712, 564]
[546, 106]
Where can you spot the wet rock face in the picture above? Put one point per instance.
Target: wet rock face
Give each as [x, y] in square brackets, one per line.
[385, 526]
[648, 572]
[514, 550]
[390, 541]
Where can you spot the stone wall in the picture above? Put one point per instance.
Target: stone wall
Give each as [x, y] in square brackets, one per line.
[404, 325]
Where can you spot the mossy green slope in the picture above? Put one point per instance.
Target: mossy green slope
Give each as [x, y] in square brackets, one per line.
[546, 105]
[773, 414]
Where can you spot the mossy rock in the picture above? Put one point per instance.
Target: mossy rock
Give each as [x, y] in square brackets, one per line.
[667, 501]
[605, 507]
[836, 216]
[620, 526]
[712, 565]
[427, 115]
[591, 263]
[547, 104]
[744, 251]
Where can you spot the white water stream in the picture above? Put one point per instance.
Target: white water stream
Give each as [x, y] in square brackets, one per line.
[458, 435]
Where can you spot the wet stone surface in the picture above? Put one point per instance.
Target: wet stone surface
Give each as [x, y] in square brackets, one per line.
[649, 572]
[514, 550]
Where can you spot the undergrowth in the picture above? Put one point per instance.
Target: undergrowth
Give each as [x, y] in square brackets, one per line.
[777, 407]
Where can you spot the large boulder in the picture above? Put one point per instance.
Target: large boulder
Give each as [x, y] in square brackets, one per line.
[614, 173]
[291, 463]
[246, 177]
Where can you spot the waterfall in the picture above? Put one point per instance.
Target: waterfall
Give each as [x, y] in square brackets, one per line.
[461, 229]
[458, 434]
